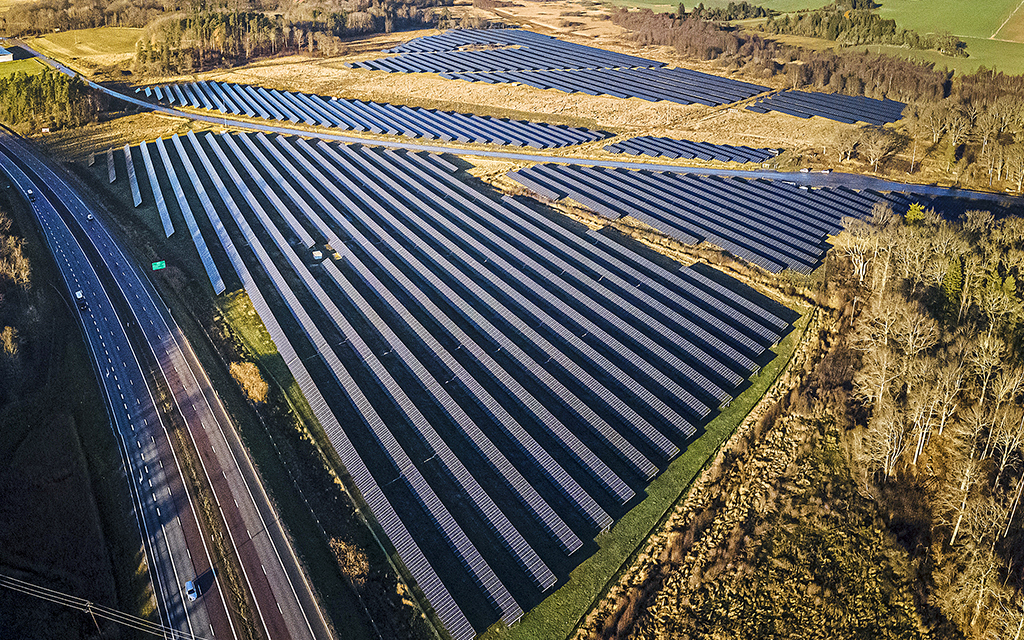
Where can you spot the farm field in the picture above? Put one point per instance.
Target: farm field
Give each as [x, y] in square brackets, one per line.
[979, 19]
[778, 5]
[624, 452]
[88, 50]
[29, 66]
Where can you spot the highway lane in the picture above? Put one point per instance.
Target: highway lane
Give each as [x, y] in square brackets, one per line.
[271, 570]
[163, 508]
[834, 179]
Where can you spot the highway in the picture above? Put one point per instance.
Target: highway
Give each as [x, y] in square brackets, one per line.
[174, 546]
[286, 606]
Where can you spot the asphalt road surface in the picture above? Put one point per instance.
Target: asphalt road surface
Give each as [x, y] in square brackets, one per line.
[286, 606]
[175, 549]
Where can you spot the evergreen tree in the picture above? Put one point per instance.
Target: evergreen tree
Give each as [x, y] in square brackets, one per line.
[915, 214]
[952, 286]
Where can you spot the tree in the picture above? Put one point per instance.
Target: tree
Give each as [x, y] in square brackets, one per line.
[915, 213]
[987, 128]
[877, 144]
[844, 142]
[952, 284]
[886, 439]
[934, 117]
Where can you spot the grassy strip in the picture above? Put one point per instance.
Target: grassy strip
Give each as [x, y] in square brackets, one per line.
[559, 614]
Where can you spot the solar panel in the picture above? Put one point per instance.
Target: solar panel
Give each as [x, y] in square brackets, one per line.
[513, 540]
[384, 118]
[158, 194]
[412, 556]
[132, 180]
[197, 237]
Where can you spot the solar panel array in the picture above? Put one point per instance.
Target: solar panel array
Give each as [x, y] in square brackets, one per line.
[509, 55]
[498, 385]
[773, 224]
[373, 117]
[672, 148]
[834, 106]
[133, 181]
[498, 50]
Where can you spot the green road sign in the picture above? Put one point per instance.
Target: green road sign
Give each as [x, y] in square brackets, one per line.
[159, 265]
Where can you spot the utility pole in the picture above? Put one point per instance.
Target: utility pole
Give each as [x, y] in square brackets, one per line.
[88, 608]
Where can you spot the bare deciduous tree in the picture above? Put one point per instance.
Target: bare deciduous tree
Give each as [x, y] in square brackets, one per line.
[877, 144]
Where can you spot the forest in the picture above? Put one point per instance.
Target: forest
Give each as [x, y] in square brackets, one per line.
[182, 42]
[44, 16]
[851, 72]
[876, 492]
[48, 99]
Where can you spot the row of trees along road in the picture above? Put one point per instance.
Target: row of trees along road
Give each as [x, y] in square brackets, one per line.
[940, 382]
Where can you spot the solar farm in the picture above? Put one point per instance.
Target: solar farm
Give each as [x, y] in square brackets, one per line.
[510, 55]
[833, 106]
[371, 117]
[671, 148]
[771, 223]
[501, 386]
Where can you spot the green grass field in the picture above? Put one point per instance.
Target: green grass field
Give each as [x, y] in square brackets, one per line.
[977, 19]
[778, 5]
[78, 43]
[1007, 57]
[976, 23]
[29, 66]
[89, 50]
[557, 616]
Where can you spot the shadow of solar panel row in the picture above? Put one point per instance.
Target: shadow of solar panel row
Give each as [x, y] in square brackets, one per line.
[373, 117]
[681, 86]
[772, 224]
[834, 106]
[672, 148]
[498, 384]
[497, 50]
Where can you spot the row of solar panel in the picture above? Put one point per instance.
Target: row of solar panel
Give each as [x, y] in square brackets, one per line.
[204, 253]
[454, 39]
[682, 86]
[672, 148]
[834, 106]
[548, 63]
[395, 214]
[772, 224]
[553, 53]
[356, 115]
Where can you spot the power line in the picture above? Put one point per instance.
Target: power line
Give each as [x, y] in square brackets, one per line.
[95, 610]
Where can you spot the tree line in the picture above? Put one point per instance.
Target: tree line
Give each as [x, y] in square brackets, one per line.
[45, 16]
[733, 11]
[850, 28]
[979, 140]
[202, 39]
[851, 72]
[939, 392]
[48, 99]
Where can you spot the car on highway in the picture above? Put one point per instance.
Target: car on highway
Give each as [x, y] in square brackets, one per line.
[31, 195]
[191, 590]
[90, 217]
